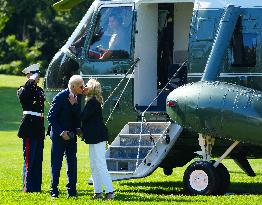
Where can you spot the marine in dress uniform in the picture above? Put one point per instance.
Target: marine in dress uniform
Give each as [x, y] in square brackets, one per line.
[32, 129]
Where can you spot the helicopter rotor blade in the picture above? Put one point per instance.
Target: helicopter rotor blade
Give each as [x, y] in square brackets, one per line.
[66, 5]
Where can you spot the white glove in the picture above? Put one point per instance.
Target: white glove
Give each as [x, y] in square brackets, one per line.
[34, 76]
[19, 91]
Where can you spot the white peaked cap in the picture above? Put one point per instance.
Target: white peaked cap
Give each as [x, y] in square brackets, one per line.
[31, 68]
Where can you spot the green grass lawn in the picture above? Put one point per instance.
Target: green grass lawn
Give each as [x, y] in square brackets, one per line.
[154, 189]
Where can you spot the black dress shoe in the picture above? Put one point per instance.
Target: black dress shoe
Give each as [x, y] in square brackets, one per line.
[110, 196]
[69, 195]
[97, 196]
[54, 195]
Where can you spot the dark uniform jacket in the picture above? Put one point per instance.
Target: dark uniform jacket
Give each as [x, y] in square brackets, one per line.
[32, 99]
[63, 116]
[93, 127]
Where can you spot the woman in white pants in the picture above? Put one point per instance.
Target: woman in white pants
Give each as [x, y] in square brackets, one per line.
[95, 134]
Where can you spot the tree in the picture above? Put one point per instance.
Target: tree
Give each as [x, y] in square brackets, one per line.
[32, 31]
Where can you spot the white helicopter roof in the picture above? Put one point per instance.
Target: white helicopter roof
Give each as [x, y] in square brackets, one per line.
[205, 4]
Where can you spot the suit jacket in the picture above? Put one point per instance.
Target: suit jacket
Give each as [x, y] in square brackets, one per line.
[93, 127]
[63, 116]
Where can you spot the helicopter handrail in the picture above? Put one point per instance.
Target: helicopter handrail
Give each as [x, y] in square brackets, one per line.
[126, 74]
[143, 113]
[111, 94]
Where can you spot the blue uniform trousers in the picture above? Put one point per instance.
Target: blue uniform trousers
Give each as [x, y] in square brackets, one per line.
[32, 170]
[58, 149]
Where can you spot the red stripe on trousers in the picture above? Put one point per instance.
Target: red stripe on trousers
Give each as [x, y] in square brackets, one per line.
[27, 143]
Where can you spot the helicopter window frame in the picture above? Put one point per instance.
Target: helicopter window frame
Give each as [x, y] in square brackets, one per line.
[76, 42]
[130, 26]
[243, 49]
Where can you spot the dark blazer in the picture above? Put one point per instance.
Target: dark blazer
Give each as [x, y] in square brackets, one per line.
[93, 127]
[62, 115]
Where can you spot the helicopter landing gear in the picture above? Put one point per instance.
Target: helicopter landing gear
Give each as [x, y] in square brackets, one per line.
[224, 177]
[206, 177]
[201, 178]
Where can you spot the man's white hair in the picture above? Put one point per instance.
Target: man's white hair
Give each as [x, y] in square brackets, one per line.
[75, 79]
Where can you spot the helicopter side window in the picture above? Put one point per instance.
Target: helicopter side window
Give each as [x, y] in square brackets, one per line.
[112, 35]
[79, 39]
[78, 44]
[243, 49]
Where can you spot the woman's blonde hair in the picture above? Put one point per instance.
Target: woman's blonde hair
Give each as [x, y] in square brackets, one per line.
[94, 90]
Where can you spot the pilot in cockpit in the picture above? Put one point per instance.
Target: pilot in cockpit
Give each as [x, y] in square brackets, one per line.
[118, 36]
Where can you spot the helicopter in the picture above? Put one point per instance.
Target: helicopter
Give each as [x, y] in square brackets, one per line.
[183, 81]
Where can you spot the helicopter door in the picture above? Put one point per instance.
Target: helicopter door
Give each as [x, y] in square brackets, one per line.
[162, 46]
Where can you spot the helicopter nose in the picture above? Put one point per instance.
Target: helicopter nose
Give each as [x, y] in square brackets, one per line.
[59, 71]
[61, 68]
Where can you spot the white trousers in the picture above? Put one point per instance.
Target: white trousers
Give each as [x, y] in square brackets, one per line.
[99, 169]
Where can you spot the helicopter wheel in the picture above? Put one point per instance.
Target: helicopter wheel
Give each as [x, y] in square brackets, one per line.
[224, 179]
[201, 178]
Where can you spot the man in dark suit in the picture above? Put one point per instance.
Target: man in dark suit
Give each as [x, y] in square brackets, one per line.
[64, 122]
[32, 129]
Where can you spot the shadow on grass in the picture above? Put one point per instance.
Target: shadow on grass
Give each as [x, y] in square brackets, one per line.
[20, 191]
[246, 188]
[177, 188]
[243, 173]
[136, 197]
[156, 192]
[164, 188]
[47, 192]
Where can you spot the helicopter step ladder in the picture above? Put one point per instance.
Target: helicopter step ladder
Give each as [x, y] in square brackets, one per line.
[139, 148]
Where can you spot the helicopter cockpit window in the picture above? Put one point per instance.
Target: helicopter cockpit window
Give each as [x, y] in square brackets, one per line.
[112, 35]
[78, 44]
[244, 49]
[79, 36]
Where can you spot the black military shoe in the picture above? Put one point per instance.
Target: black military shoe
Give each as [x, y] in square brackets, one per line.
[54, 195]
[71, 194]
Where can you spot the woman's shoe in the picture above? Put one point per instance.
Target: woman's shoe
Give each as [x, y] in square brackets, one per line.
[98, 196]
[109, 196]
